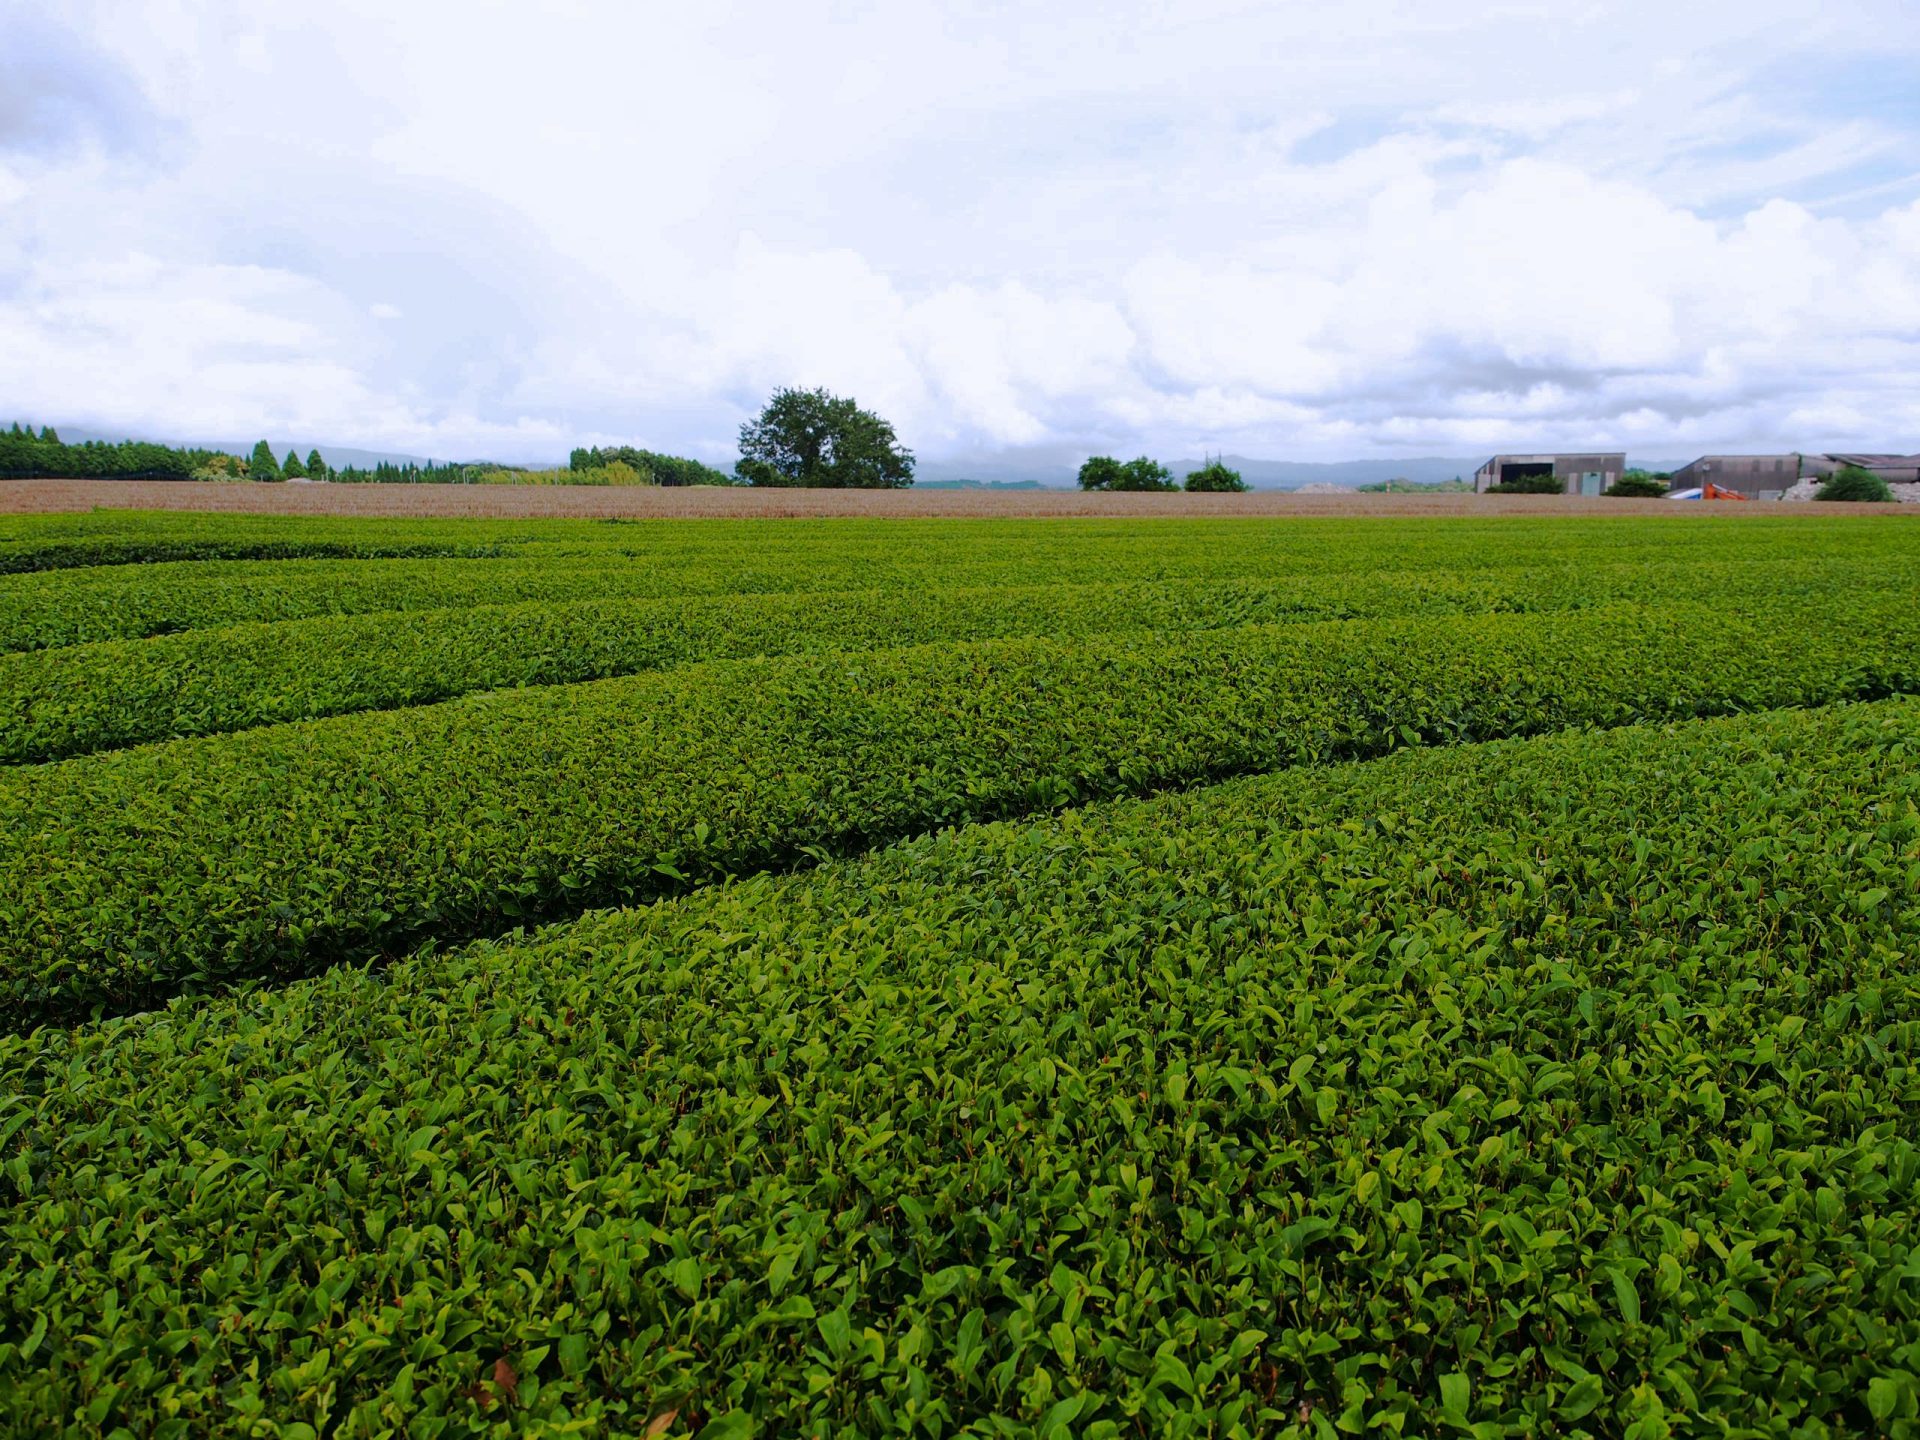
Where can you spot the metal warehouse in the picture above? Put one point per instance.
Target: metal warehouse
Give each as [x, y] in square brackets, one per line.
[1894, 469]
[1587, 474]
[1768, 477]
[1759, 477]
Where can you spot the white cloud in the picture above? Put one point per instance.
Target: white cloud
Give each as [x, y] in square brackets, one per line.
[1273, 228]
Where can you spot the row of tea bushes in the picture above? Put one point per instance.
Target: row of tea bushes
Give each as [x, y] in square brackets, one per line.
[1561, 1087]
[81, 699]
[70, 607]
[130, 876]
[76, 554]
[31, 542]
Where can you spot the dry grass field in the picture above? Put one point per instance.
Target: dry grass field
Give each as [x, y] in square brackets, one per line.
[597, 502]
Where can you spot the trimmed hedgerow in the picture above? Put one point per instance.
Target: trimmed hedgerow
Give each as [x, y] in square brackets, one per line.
[1560, 1087]
[81, 699]
[31, 543]
[77, 606]
[131, 876]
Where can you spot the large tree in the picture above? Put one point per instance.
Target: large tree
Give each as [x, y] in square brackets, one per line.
[811, 438]
[1103, 472]
[291, 466]
[1215, 477]
[263, 466]
[316, 467]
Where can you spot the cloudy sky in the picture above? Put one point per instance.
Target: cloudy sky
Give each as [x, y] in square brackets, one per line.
[1296, 230]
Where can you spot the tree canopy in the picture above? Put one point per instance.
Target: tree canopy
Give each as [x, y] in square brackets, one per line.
[814, 439]
[1215, 477]
[1854, 482]
[412, 472]
[25, 454]
[291, 466]
[651, 467]
[262, 466]
[1103, 472]
[1099, 472]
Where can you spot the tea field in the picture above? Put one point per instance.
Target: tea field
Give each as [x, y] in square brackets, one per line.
[1300, 977]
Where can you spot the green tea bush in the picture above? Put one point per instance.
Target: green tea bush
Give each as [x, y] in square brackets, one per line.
[135, 875]
[1560, 1087]
[79, 606]
[569, 561]
[31, 543]
[57, 703]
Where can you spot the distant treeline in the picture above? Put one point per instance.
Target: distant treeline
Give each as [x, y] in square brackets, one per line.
[620, 465]
[663, 469]
[385, 472]
[27, 455]
[615, 473]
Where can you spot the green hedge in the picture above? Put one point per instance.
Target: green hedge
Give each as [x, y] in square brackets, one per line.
[35, 542]
[20, 559]
[1637, 487]
[130, 876]
[81, 699]
[582, 561]
[1561, 1087]
[75, 607]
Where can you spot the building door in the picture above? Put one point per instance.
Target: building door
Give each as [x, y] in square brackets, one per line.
[1590, 483]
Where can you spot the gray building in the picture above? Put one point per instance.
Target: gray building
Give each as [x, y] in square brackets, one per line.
[1577, 474]
[1894, 469]
[1758, 477]
[1768, 477]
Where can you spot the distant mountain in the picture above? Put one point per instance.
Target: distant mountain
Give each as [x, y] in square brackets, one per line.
[1040, 466]
[1056, 466]
[1291, 474]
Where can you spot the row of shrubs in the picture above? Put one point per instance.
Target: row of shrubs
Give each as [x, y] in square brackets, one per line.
[145, 873]
[76, 700]
[1550, 1088]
